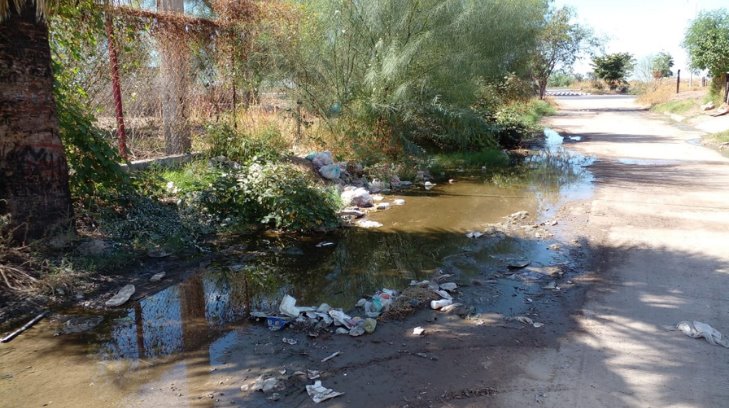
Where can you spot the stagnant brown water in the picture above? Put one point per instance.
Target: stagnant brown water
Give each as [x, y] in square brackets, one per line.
[170, 344]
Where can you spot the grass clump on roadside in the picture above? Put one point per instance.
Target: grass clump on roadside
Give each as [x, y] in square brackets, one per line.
[679, 107]
[720, 138]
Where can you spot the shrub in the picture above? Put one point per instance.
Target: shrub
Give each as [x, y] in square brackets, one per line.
[230, 196]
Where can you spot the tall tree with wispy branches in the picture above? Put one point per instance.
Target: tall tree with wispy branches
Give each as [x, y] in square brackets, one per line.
[34, 189]
[559, 44]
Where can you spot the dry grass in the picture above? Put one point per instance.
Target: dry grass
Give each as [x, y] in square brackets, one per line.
[656, 93]
[408, 302]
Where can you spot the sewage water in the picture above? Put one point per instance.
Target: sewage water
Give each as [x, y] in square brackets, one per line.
[177, 336]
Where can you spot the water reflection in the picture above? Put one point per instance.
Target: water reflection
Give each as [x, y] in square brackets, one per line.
[424, 234]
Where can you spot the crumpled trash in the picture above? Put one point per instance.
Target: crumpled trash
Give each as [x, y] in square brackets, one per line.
[437, 304]
[428, 185]
[263, 384]
[276, 323]
[331, 171]
[341, 319]
[288, 307]
[380, 302]
[398, 201]
[698, 330]
[320, 159]
[370, 325]
[121, 297]
[474, 234]
[357, 331]
[157, 277]
[418, 331]
[526, 320]
[319, 393]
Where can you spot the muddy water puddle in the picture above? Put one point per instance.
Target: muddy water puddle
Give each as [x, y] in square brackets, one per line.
[175, 344]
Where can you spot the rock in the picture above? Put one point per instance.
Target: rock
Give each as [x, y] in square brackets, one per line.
[376, 186]
[94, 247]
[449, 286]
[356, 196]
[383, 206]
[368, 224]
[349, 212]
[708, 106]
[121, 297]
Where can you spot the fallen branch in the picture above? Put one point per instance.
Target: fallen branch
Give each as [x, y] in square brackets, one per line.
[24, 328]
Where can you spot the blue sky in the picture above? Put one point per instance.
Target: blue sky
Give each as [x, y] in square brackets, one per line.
[641, 27]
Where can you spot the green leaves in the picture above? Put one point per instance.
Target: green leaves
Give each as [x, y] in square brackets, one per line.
[707, 41]
[613, 68]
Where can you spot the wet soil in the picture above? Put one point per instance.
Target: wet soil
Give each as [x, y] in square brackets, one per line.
[191, 344]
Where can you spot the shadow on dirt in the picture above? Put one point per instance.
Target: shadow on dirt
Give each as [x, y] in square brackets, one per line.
[194, 335]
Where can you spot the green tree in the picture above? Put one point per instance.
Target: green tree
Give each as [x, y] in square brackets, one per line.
[559, 45]
[411, 68]
[613, 68]
[661, 65]
[707, 43]
[34, 187]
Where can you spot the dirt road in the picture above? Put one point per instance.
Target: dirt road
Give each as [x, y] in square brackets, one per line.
[658, 226]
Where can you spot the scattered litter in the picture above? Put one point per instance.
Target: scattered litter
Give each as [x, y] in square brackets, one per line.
[422, 284]
[451, 307]
[313, 374]
[519, 215]
[331, 171]
[698, 330]
[341, 330]
[526, 320]
[266, 385]
[324, 244]
[437, 304]
[23, 328]
[428, 185]
[474, 234]
[383, 206]
[398, 201]
[551, 285]
[288, 307]
[276, 323]
[319, 393]
[368, 224]
[340, 318]
[80, 324]
[377, 197]
[325, 359]
[121, 297]
[289, 341]
[449, 286]
[423, 355]
[157, 277]
[356, 331]
[370, 325]
[418, 331]
[323, 308]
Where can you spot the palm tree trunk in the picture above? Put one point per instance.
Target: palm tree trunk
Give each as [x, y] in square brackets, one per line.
[33, 170]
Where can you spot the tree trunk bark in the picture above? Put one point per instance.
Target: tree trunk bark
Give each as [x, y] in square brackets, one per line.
[174, 67]
[33, 169]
